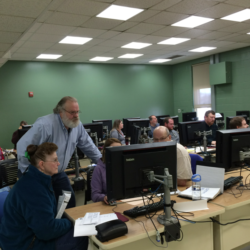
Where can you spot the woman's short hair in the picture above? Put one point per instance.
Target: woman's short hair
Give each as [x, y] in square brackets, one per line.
[40, 152]
[236, 122]
[116, 124]
[23, 123]
[108, 143]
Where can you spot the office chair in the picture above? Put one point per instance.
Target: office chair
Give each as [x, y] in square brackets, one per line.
[194, 159]
[88, 191]
[8, 172]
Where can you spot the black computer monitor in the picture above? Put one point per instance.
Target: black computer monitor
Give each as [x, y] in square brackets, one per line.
[244, 113]
[143, 123]
[229, 143]
[189, 116]
[126, 167]
[161, 116]
[106, 124]
[23, 130]
[95, 127]
[125, 124]
[187, 133]
[229, 118]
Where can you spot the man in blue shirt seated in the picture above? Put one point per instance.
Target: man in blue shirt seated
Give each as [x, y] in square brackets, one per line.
[153, 124]
[210, 125]
[65, 129]
[169, 124]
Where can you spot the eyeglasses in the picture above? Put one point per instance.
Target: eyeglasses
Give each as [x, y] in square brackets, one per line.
[72, 112]
[161, 139]
[55, 161]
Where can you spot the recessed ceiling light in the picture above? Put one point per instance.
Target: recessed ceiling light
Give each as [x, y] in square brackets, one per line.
[119, 12]
[192, 21]
[248, 33]
[130, 55]
[202, 49]
[48, 56]
[135, 45]
[75, 40]
[174, 41]
[160, 60]
[101, 59]
[238, 16]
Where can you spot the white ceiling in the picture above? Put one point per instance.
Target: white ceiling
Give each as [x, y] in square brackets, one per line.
[31, 27]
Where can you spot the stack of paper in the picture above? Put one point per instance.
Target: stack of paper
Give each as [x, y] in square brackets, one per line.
[62, 203]
[85, 226]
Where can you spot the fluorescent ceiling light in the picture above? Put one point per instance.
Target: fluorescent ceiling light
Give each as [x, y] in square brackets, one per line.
[75, 40]
[160, 60]
[119, 12]
[248, 33]
[130, 55]
[192, 21]
[135, 45]
[238, 16]
[202, 49]
[101, 59]
[174, 41]
[48, 56]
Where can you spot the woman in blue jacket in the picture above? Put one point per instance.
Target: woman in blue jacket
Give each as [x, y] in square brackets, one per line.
[30, 208]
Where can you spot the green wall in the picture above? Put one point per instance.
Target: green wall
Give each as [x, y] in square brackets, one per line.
[103, 91]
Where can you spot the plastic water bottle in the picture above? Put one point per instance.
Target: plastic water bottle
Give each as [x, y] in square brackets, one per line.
[196, 187]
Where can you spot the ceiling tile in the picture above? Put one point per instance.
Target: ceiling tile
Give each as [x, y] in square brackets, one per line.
[64, 47]
[226, 38]
[83, 7]
[145, 28]
[85, 32]
[237, 27]
[169, 31]
[219, 11]
[30, 50]
[127, 37]
[163, 5]
[109, 34]
[192, 33]
[3, 60]
[125, 26]
[240, 38]
[14, 24]
[213, 35]
[101, 23]
[41, 45]
[144, 15]
[20, 56]
[9, 37]
[5, 46]
[113, 43]
[26, 36]
[55, 29]
[215, 25]
[34, 27]
[151, 39]
[100, 48]
[166, 18]
[44, 16]
[45, 38]
[143, 4]
[104, 1]
[242, 3]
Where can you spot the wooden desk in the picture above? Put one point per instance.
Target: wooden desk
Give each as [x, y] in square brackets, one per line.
[194, 234]
[235, 235]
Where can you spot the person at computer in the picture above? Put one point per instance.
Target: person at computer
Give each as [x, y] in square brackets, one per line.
[169, 124]
[184, 170]
[98, 181]
[30, 208]
[153, 124]
[15, 137]
[116, 131]
[209, 120]
[65, 129]
[238, 122]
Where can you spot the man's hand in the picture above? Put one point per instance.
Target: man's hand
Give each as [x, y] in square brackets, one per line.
[105, 199]
[213, 143]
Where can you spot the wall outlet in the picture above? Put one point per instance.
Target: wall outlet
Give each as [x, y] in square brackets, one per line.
[179, 110]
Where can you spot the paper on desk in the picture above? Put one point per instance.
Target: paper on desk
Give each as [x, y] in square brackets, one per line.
[91, 218]
[87, 230]
[191, 206]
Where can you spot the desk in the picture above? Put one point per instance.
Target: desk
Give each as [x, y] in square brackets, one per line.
[235, 235]
[200, 234]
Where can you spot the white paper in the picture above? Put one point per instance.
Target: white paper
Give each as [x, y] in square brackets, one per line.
[63, 203]
[91, 218]
[218, 115]
[201, 149]
[206, 193]
[191, 206]
[87, 230]
[211, 177]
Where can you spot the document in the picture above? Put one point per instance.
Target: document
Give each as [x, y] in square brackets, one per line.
[191, 206]
[63, 201]
[91, 218]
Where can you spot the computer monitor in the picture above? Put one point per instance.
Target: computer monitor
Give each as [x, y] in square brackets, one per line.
[106, 124]
[189, 116]
[187, 132]
[139, 122]
[219, 121]
[229, 118]
[125, 124]
[229, 144]
[242, 113]
[161, 116]
[95, 128]
[23, 130]
[126, 168]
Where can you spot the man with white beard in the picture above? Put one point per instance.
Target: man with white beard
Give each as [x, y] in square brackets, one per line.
[63, 128]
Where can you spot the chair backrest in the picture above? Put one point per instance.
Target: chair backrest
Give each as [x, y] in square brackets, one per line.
[89, 178]
[194, 159]
[8, 172]
[3, 196]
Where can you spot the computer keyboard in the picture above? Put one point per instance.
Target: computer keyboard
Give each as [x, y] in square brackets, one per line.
[231, 181]
[137, 211]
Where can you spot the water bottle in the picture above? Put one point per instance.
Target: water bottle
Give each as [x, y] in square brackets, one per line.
[196, 187]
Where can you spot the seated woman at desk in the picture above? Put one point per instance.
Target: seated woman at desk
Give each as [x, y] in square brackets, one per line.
[116, 131]
[15, 136]
[98, 182]
[30, 208]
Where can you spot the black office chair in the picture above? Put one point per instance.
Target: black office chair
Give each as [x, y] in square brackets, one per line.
[89, 178]
[8, 172]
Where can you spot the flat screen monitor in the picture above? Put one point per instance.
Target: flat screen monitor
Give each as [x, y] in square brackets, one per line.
[229, 118]
[125, 124]
[126, 168]
[23, 130]
[187, 132]
[95, 127]
[244, 113]
[229, 143]
[106, 124]
[143, 123]
[161, 116]
[189, 116]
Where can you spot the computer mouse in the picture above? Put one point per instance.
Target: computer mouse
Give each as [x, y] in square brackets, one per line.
[112, 203]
